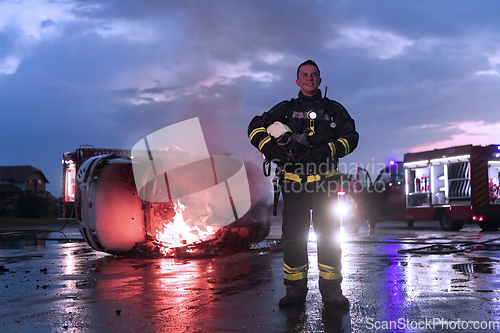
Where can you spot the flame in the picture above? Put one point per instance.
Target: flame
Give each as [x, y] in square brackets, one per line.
[181, 231]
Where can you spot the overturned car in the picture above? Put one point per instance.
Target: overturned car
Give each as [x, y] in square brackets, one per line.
[193, 209]
[166, 202]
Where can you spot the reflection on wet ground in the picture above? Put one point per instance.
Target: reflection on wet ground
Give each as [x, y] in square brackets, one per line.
[51, 281]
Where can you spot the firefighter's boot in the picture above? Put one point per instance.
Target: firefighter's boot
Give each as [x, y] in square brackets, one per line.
[331, 292]
[296, 292]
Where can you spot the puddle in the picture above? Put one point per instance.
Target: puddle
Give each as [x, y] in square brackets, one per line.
[85, 284]
[478, 265]
[18, 239]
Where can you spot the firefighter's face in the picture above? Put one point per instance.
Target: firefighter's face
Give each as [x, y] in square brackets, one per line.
[308, 80]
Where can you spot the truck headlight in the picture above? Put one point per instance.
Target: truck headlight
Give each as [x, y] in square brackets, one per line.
[342, 209]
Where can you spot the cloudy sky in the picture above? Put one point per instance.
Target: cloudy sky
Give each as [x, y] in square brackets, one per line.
[413, 74]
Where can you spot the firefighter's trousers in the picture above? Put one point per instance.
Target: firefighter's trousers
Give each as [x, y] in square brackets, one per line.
[299, 199]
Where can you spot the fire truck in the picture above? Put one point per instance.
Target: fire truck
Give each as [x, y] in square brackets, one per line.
[101, 194]
[71, 162]
[454, 186]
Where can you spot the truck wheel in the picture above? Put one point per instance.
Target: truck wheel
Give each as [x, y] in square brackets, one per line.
[489, 226]
[410, 224]
[450, 225]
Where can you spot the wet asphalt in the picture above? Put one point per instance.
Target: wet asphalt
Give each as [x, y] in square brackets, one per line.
[397, 280]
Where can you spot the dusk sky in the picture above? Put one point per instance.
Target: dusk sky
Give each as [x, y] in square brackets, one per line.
[414, 75]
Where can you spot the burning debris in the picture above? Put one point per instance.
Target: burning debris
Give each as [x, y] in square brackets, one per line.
[225, 241]
[176, 232]
[172, 224]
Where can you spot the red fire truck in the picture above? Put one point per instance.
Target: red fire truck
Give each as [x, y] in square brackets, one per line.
[454, 185]
[71, 162]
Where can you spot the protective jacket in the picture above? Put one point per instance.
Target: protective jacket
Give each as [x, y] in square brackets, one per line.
[326, 123]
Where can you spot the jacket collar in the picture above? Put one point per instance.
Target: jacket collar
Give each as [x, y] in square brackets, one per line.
[316, 96]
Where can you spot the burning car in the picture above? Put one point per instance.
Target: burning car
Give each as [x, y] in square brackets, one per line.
[113, 216]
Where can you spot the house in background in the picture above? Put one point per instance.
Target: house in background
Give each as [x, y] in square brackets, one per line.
[14, 180]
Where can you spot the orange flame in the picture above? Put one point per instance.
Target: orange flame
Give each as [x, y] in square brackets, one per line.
[179, 233]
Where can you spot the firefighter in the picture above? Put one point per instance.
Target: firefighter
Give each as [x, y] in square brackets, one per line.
[316, 132]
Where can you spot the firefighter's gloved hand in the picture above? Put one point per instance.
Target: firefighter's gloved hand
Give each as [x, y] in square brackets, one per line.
[300, 147]
[320, 154]
[273, 153]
